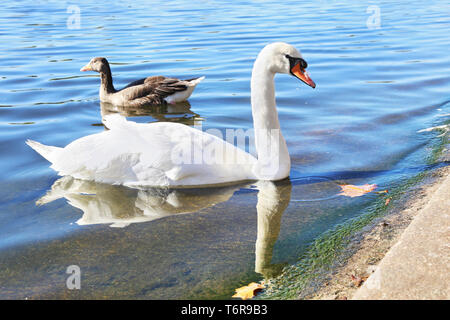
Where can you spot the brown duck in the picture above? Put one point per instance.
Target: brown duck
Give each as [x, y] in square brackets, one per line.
[148, 91]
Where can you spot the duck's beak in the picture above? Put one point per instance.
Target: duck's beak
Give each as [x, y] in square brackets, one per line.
[300, 73]
[87, 67]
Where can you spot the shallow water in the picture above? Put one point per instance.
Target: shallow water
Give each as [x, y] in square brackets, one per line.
[376, 88]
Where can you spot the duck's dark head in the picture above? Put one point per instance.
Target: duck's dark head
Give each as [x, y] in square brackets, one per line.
[98, 64]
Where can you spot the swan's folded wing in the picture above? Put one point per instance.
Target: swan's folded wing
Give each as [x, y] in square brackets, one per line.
[158, 154]
[127, 154]
[114, 157]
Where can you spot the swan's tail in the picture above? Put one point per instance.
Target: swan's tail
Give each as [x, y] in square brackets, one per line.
[48, 152]
[195, 81]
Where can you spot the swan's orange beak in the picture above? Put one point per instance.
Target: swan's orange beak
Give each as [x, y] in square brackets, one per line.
[300, 73]
[87, 67]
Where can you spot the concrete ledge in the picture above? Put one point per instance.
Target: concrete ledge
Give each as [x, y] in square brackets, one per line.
[418, 265]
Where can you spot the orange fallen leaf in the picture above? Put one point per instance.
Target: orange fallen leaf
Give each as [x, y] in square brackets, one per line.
[249, 291]
[357, 281]
[352, 191]
[387, 201]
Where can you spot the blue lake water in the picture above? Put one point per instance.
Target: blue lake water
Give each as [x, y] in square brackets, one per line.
[378, 83]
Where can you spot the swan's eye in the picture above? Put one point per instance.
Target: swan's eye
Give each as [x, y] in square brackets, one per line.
[293, 61]
[303, 64]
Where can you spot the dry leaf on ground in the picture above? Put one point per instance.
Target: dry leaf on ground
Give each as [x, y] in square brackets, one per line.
[357, 281]
[248, 292]
[352, 191]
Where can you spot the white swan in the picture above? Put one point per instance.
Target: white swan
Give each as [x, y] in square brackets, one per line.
[176, 155]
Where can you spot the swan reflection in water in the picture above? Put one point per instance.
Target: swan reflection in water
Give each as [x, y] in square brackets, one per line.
[273, 199]
[180, 112]
[121, 206]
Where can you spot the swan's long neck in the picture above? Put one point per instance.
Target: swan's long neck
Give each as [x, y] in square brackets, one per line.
[106, 85]
[273, 156]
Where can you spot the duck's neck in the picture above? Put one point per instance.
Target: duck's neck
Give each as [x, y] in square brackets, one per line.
[273, 156]
[106, 86]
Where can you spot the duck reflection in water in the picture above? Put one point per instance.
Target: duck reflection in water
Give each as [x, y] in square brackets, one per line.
[121, 206]
[180, 112]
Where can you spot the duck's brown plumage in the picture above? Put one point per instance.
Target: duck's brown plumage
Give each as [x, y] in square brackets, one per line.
[147, 91]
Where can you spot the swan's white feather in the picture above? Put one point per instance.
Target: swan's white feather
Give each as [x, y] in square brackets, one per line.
[48, 152]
